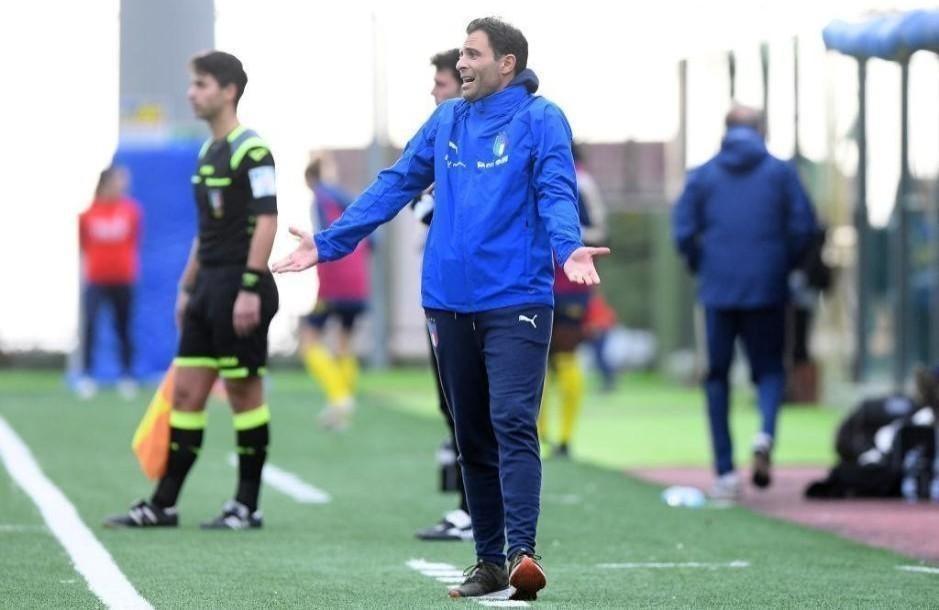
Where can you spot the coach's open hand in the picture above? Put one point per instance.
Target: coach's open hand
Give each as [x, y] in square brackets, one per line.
[304, 257]
[579, 265]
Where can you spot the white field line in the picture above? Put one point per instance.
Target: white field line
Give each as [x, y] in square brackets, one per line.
[450, 574]
[671, 565]
[89, 557]
[442, 572]
[919, 569]
[289, 484]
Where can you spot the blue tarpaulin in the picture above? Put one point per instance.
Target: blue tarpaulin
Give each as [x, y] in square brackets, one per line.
[892, 37]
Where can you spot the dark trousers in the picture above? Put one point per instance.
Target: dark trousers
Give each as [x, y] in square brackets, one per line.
[801, 320]
[606, 370]
[120, 297]
[448, 417]
[763, 334]
[492, 368]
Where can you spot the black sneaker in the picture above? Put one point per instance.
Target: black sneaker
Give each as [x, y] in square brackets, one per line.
[762, 451]
[484, 578]
[145, 514]
[235, 516]
[526, 576]
[455, 525]
[762, 473]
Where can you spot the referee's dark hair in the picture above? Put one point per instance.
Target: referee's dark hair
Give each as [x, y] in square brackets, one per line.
[224, 68]
[446, 60]
[505, 39]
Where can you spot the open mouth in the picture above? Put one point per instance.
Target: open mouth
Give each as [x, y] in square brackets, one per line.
[468, 79]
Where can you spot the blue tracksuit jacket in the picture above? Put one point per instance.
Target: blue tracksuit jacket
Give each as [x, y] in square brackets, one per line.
[506, 196]
[742, 223]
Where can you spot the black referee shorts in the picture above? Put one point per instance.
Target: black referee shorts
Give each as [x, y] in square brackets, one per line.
[208, 336]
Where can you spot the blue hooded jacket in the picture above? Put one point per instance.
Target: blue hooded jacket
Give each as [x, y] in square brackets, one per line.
[742, 224]
[506, 196]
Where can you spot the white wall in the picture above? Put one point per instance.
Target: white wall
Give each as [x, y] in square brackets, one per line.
[59, 114]
[611, 66]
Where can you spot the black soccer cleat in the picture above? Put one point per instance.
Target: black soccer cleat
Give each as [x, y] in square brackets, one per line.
[526, 576]
[235, 516]
[145, 514]
[482, 579]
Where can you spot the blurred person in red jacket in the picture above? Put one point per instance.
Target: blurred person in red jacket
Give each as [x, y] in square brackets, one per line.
[109, 236]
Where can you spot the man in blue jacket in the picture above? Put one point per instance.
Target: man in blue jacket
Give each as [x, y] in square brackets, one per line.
[741, 224]
[506, 208]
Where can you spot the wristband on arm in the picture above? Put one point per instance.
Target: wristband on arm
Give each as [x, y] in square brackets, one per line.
[251, 280]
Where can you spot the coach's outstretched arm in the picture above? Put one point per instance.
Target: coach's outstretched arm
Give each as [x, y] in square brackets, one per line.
[556, 192]
[394, 188]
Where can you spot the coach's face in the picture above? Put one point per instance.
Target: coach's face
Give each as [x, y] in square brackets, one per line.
[481, 72]
[207, 97]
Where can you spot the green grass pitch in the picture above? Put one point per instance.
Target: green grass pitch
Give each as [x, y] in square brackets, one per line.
[352, 552]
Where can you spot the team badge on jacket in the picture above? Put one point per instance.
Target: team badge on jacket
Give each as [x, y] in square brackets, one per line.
[500, 144]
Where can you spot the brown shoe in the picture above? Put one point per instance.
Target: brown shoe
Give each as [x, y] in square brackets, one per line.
[483, 578]
[526, 576]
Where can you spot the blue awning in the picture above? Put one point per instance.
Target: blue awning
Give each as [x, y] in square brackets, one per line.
[894, 36]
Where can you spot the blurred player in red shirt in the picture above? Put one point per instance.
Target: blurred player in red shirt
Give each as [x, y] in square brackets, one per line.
[109, 235]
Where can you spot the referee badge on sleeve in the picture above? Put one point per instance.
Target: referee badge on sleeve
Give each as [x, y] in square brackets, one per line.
[263, 182]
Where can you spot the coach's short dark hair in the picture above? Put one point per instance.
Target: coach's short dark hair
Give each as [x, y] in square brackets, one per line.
[504, 39]
[446, 60]
[224, 68]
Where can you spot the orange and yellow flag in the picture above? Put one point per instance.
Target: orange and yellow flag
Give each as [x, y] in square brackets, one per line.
[152, 439]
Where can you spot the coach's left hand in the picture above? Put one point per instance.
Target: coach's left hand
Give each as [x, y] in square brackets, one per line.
[579, 265]
[304, 257]
[247, 313]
